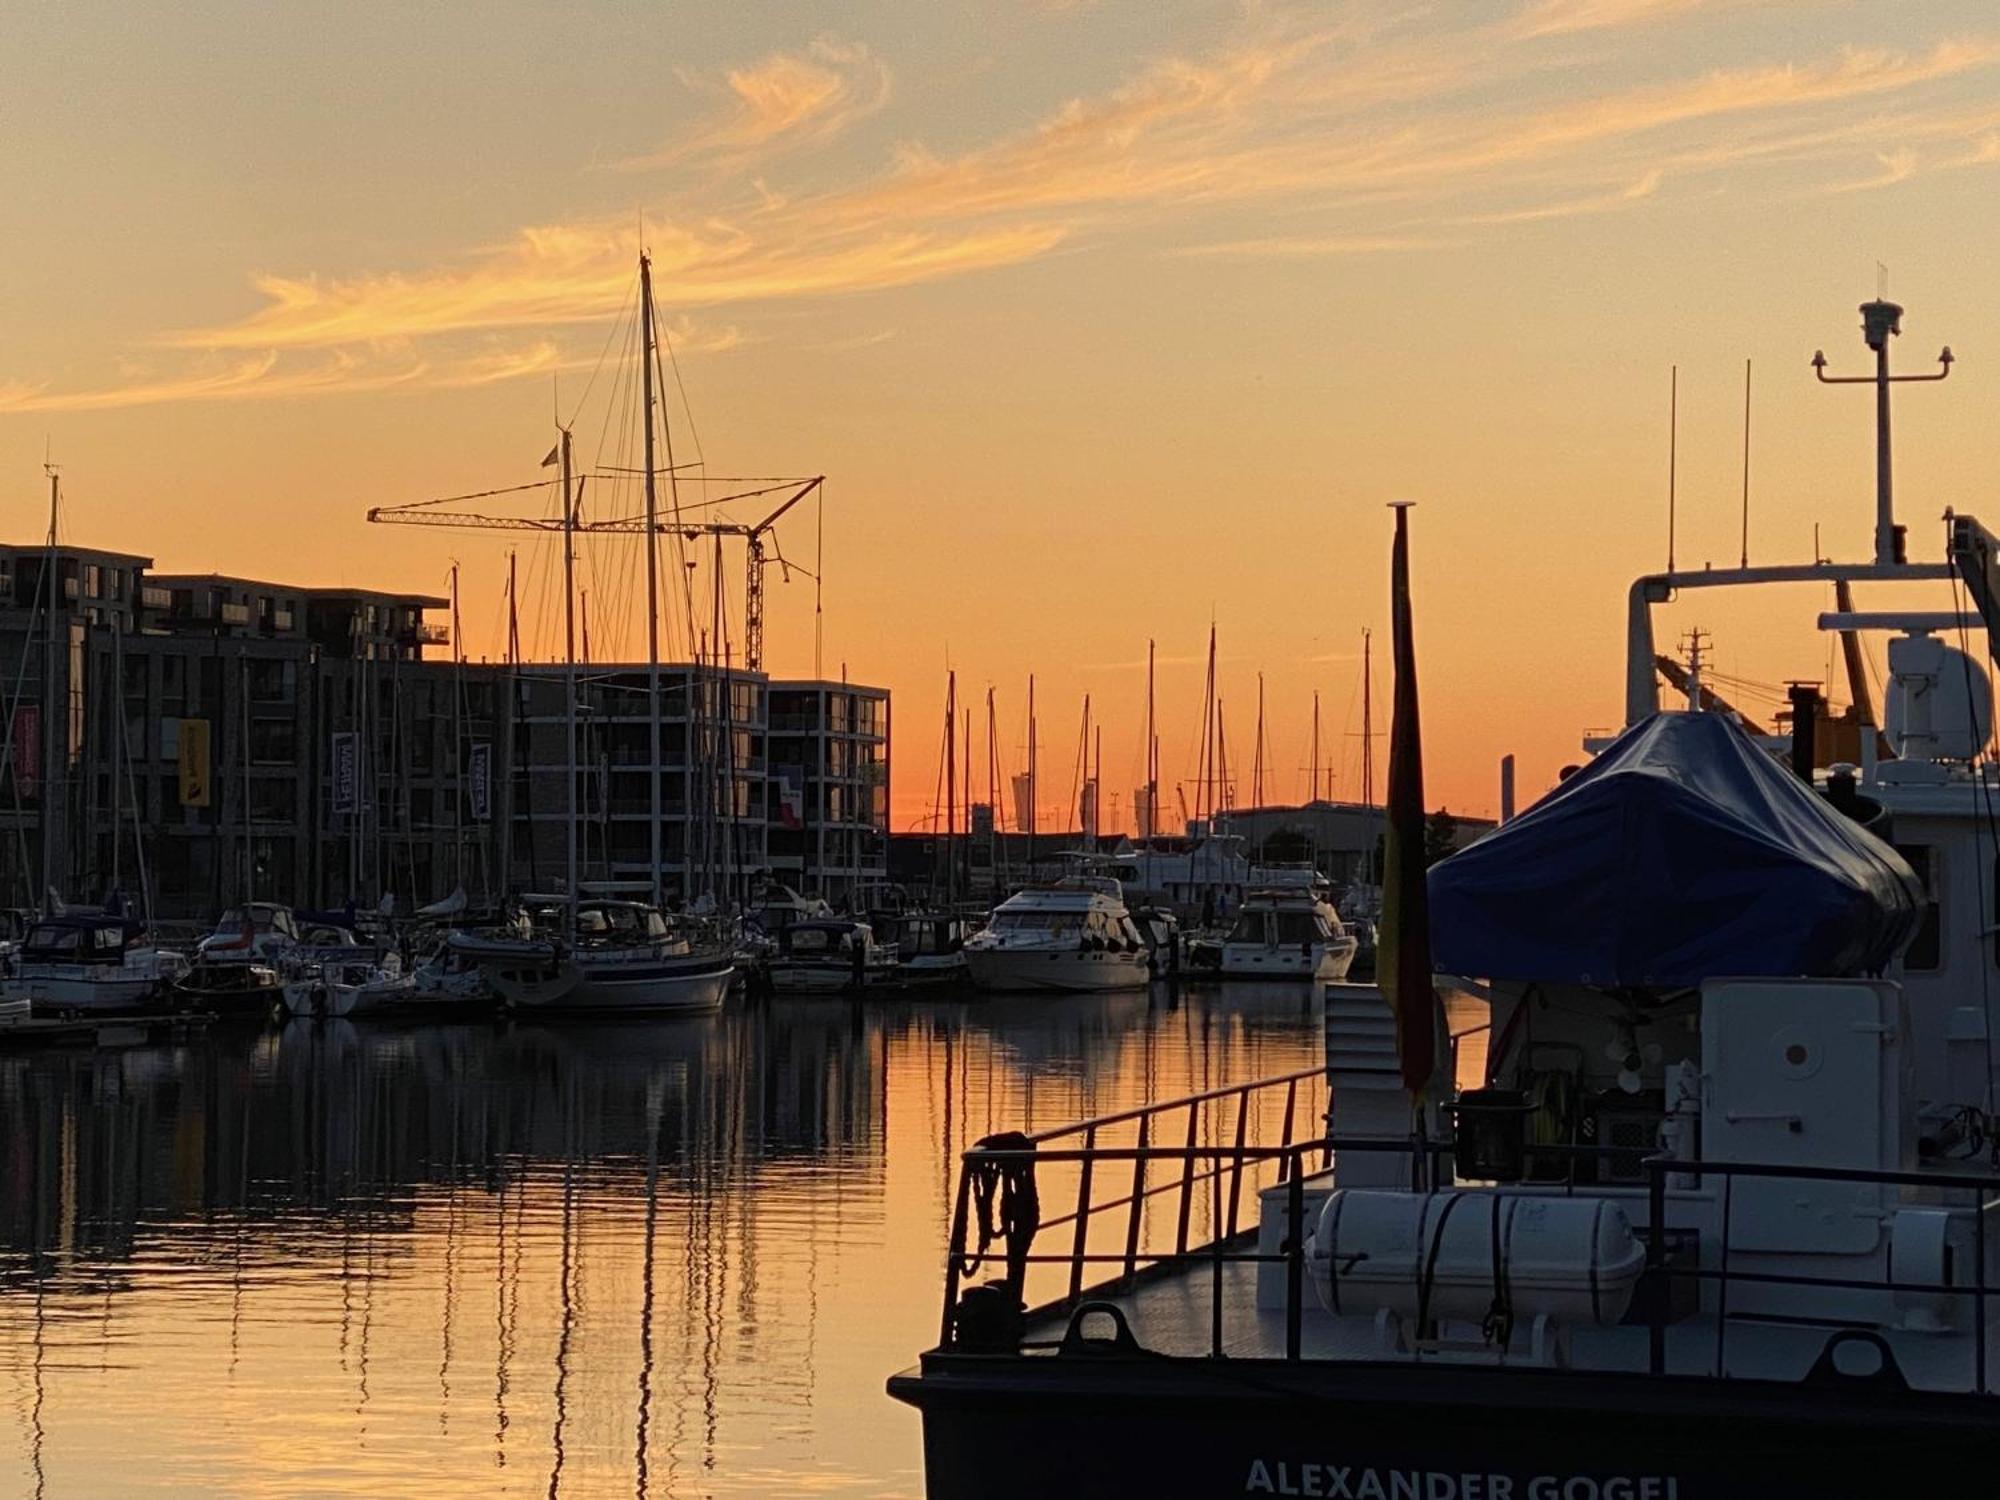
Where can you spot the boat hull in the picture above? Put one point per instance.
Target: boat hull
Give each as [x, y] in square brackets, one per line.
[662, 989]
[1322, 962]
[57, 996]
[1115, 1425]
[1069, 971]
[791, 978]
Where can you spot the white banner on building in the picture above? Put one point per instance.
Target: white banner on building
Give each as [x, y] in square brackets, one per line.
[346, 772]
[480, 771]
[791, 800]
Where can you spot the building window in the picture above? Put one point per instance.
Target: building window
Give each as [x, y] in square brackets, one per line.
[93, 581]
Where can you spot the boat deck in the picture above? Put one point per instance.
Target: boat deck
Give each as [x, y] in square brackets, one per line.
[1173, 1313]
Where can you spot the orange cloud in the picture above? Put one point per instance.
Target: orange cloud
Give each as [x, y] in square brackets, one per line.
[1389, 136]
[787, 99]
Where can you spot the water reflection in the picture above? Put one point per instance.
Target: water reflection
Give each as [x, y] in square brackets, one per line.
[656, 1259]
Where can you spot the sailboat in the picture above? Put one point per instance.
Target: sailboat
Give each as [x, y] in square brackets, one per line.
[603, 956]
[85, 960]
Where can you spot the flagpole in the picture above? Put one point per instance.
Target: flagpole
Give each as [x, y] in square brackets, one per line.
[1405, 947]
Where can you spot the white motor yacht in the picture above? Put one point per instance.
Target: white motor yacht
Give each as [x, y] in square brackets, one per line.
[1073, 935]
[88, 963]
[1286, 934]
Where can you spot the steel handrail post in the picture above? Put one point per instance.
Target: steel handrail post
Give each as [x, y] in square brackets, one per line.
[1187, 1181]
[1295, 1263]
[1979, 1293]
[1722, 1284]
[1138, 1199]
[955, 1258]
[1285, 1140]
[1236, 1171]
[1656, 1265]
[1082, 1217]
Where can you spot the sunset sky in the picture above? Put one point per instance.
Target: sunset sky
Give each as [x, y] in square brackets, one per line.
[1103, 320]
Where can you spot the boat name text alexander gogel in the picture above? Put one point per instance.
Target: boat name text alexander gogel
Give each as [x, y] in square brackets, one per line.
[1352, 1482]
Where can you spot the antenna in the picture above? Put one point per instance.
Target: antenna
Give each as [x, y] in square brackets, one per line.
[1673, 451]
[1746, 464]
[1881, 320]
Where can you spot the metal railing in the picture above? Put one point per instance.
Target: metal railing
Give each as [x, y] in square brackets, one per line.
[1215, 1152]
[1984, 1188]
[1207, 1141]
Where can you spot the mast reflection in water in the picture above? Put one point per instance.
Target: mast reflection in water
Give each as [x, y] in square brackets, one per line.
[659, 1259]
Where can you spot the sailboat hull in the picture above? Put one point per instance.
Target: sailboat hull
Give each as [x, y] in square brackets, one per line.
[665, 988]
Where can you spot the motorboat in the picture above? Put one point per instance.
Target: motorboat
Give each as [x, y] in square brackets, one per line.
[831, 956]
[1286, 934]
[929, 947]
[624, 959]
[1713, 1219]
[1073, 935]
[240, 968]
[84, 962]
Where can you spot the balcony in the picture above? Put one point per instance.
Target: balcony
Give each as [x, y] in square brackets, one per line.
[279, 621]
[151, 597]
[424, 635]
[234, 614]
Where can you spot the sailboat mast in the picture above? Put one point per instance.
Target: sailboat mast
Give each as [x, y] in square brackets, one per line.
[950, 784]
[1150, 824]
[569, 685]
[993, 790]
[1096, 785]
[49, 762]
[1257, 756]
[118, 739]
[652, 570]
[457, 740]
[966, 845]
[1034, 791]
[1313, 796]
[1367, 720]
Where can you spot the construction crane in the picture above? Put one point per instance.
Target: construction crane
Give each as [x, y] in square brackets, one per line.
[758, 553]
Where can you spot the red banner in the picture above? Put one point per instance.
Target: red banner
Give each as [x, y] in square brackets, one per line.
[26, 756]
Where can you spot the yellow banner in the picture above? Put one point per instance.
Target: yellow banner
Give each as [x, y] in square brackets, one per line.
[194, 763]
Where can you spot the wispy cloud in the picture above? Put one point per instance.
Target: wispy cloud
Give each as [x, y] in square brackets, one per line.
[1309, 247]
[786, 99]
[1562, 17]
[1594, 203]
[1373, 136]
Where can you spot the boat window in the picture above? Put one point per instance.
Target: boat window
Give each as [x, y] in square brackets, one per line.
[1249, 928]
[1033, 921]
[656, 925]
[808, 940]
[1926, 948]
[54, 939]
[108, 939]
[1299, 927]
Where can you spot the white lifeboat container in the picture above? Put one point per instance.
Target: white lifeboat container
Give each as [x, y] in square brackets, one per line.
[1573, 1260]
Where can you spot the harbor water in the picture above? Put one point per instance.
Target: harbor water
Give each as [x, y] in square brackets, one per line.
[632, 1259]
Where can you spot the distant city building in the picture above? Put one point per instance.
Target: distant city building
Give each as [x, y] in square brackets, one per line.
[240, 738]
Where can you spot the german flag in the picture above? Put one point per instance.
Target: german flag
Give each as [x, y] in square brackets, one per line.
[1403, 963]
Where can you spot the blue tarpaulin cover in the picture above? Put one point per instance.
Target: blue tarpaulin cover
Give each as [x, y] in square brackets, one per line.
[1681, 853]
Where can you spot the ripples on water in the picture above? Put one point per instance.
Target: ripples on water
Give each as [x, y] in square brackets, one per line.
[666, 1259]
